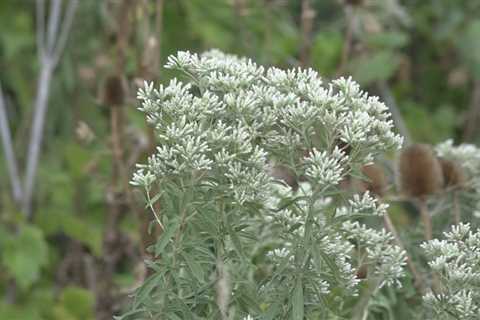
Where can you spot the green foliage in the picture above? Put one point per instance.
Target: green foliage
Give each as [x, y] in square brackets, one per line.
[74, 304]
[326, 52]
[24, 253]
[436, 127]
[377, 67]
[469, 44]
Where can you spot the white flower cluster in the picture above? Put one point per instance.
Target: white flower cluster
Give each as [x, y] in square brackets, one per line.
[468, 157]
[457, 262]
[366, 204]
[340, 251]
[387, 259]
[325, 168]
[296, 99]
[198, 143]
[221, 131]
[237, 109]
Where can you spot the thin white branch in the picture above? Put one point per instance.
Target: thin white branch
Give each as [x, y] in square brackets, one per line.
[15, 181]
[54, 49]
[36, 137]
[65, 30]
[53, 22]
[41, 29]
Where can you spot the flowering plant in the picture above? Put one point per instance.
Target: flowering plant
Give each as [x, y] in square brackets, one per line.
[456, 260]
[236, 241]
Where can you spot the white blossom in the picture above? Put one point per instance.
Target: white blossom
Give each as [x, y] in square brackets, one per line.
[457, 261]
[326, 169]
[231, 119]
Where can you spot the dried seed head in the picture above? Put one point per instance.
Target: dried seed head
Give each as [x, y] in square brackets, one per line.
[453, 174]
[419, 172]
[285, 174]
[113, 91]
[376, 181]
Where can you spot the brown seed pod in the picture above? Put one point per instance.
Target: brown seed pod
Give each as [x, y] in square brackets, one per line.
[453, 174]
[376, 181]
[113, 91]
[285, 174]
[419, 173]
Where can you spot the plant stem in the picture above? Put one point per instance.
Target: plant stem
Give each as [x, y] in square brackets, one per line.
[391, 228]
[5, 132]
[457, 215]
[222, 287]
[426, 219]
[307, 19]
[49, 52]
[36, 137]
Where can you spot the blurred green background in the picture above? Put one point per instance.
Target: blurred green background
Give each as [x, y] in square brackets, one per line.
[81, 251]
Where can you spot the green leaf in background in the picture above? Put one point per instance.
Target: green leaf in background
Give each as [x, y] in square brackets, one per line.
[13, 312]
[391, 40]
[75, 304]
[24, 254]
[427, 127]
[326, 52]
[376, 67]
[470, 46]
[88, 234]
[77, 157]
[82, 230]
[212, 22]
[283, 43]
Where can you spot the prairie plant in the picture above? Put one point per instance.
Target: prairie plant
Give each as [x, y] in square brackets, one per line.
[456, 260]
[236, 242]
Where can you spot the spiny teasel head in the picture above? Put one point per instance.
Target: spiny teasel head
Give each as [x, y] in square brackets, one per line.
[113, 91]
[453, 174]
[419, 173]
[376, 181]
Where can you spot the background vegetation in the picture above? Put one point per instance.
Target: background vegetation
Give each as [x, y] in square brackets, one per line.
[77, 247]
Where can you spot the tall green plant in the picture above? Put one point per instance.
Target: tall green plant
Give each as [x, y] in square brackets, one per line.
[235, 242]
[456, 260]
